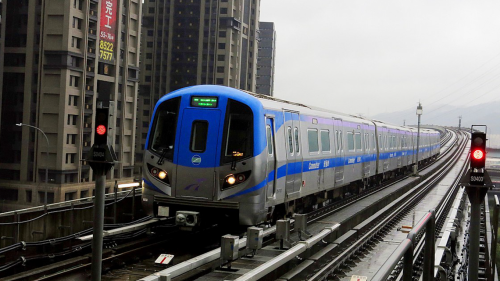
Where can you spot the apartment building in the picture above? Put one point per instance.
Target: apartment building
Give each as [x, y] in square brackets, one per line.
[266, 58]
[61, 58]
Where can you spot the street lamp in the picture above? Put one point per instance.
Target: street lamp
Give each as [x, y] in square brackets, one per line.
[46, 160]
[419, 112]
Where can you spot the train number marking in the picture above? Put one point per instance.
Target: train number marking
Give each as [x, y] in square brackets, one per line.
[195, 185]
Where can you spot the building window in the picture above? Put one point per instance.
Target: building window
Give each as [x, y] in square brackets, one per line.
[150, 31]
[220, 81]
[151, 11]
[220, 69]
[149, 55]
[145, 113]
[8, 194]
[77, 23]
[50, 197]
[221, 57]
[70, 138]
[74, 81]
[70, 158]
[29, 196]
[70, 196]
[84, 193]
[148, 78]
[222, 34]
[72, 119]
[222, 46]
[149, 67]
[75, 42]
[223, 10]
[77, 4]
[73, 100]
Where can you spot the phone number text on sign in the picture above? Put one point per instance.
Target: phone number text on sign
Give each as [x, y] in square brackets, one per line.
[106, 50]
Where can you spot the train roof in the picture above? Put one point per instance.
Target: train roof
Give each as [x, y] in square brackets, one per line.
[272, 102]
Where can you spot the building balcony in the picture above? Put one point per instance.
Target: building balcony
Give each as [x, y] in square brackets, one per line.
[88, 109]
[89, 88]
[92, 33]
[93, 14]
[87, 127]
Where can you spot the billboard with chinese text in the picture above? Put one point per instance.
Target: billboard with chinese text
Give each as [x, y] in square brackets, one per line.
[107, 36]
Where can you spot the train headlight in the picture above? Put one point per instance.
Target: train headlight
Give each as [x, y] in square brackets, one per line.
[231, 179]
[162, 175]
[159, 174]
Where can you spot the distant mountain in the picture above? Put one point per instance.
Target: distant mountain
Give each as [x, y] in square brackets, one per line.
[483, 114]
[445, 115]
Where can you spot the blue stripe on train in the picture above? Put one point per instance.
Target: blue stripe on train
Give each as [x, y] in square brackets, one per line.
[313, 165]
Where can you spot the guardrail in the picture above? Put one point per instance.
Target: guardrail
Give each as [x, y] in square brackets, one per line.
[405, 251]
[62, 219]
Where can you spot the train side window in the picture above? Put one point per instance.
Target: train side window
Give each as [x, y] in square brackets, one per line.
[325, 141]
[269, 140]
[380, 141]
[199, 133]
[297, 143]
[290, 139]
[312, 137]
[350, 141]
[357, 136]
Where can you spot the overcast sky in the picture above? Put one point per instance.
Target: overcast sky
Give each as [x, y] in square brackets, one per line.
[369, 57]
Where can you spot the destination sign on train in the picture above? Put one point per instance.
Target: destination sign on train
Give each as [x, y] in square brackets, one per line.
[204, 101]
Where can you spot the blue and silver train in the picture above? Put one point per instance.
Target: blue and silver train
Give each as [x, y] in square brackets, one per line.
[217, 153]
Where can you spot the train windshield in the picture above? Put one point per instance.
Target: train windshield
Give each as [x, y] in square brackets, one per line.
[164, 127]
[238, 132]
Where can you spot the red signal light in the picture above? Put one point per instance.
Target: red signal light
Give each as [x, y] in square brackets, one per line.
[478, 154]
[101, 130]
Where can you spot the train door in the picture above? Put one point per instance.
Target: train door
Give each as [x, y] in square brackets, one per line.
[339, 163]
[271, 158]
[399, 147]
[197, 153]
[366, 147]
[298, 153]
[293, 153]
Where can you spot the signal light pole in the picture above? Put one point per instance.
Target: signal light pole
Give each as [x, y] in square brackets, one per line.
[102, 159]
[476, 183]
[420, 111]
[46, 161]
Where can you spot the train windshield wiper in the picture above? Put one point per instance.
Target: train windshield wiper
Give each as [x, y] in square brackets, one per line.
[162, 156]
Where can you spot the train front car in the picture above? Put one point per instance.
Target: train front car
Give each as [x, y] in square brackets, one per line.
[201, 158]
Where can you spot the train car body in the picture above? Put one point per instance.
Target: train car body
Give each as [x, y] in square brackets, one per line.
[215, 152]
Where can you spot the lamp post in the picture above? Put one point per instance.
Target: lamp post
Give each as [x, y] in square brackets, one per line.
[419, 112]
[46, 160]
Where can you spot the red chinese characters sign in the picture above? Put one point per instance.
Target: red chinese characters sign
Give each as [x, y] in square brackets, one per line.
[109, 10]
